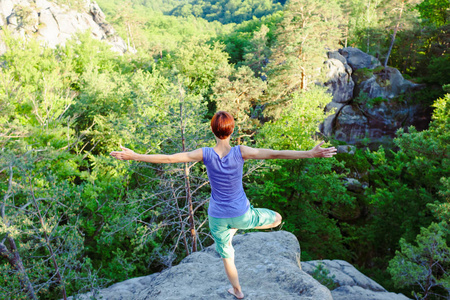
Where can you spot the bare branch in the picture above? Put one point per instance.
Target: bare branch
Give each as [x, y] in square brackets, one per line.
[200, 186]
[49, 247]
[4, 252]
[201, 204]
[7, 195]
[135, 219]
[203, 223]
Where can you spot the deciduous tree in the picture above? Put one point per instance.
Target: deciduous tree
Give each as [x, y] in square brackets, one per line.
[238, 92]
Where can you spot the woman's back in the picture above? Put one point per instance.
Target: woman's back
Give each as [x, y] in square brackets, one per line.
[228, 199]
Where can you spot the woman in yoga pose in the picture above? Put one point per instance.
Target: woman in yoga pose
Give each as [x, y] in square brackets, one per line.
[229, 208]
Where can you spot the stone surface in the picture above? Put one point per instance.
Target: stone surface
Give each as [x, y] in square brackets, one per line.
[338, 56]
[53, 24]
[355, 185]
[268, 265]
[386, 83]
[371, 102]
[359, 293]
[352, 284]
[327, 126]
[358, 59]
[378, 122]
[340, 83]
[349, 149]
[351, 125]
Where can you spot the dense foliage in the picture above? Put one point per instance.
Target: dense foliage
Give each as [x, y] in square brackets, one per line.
[73, 219]
[227, 11]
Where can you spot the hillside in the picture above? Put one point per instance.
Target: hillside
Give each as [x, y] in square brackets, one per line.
[227, 11]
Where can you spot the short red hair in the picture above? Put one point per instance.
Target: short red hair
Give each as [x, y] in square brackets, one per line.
[222, 124]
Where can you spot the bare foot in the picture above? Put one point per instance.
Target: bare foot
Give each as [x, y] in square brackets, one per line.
[237, 294]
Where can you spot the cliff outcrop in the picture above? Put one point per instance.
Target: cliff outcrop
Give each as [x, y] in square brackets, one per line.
[269, 268]
[370, 102]
[53, 24]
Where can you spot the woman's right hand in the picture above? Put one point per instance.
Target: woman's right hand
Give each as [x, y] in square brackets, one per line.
[125, 154]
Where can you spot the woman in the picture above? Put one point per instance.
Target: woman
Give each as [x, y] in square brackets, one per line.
[229, 208]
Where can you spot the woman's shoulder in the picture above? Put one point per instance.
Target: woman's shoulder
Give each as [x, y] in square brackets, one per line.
[237, 149]
[205, 153]
[238, 153]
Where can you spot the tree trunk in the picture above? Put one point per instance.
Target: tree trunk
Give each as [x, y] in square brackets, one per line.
[187, 183]
[12, 255]
[408, 58]
[239, 136]
[394, 34]
[15, 261]
[49, 247]
[346, 34]
[238, 125]
[186, 247]
[390, 47]
[367, 28]
[368, 41]
[191, 208]
[428, 282]
[303, 80]
[128, 36]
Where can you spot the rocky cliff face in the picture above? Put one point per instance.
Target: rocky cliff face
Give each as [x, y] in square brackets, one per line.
[351, 284]
[53, 24]
[269, 268]
[370, 102]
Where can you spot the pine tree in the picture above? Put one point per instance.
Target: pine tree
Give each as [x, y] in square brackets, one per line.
[308, 29]
[425, 265]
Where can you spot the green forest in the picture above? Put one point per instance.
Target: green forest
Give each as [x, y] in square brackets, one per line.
[73, 219]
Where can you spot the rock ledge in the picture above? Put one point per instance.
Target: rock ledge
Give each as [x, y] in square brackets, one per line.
[269, 268]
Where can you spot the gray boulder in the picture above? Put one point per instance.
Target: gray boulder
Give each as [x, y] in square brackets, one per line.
[340, 83]
[328, 124]
[6, 7]
[268, 265]
[349, 149]
[368, 100]
[354, 185]
[338, 56]
[351, 125]
[352, 284]
[359, 293]
[53, 24]
[358, 59]
[377, 121]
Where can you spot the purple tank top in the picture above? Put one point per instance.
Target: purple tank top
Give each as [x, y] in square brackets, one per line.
[228, 199]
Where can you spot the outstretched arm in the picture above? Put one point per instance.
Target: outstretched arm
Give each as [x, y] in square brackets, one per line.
[256, 153]
[127, 154]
